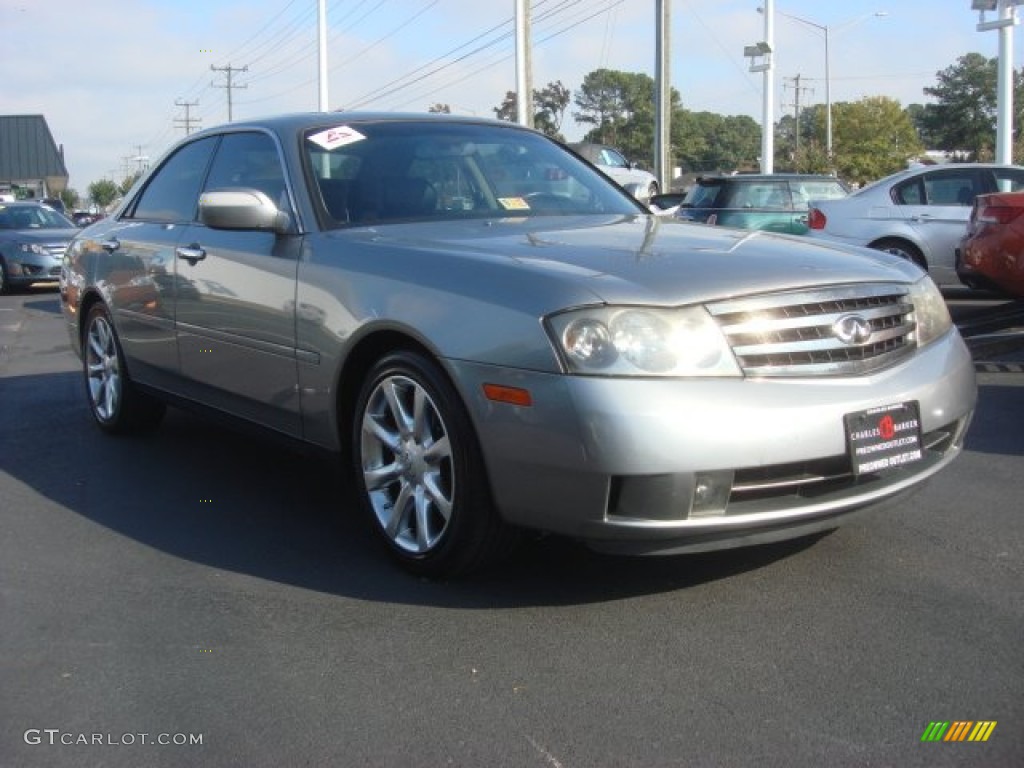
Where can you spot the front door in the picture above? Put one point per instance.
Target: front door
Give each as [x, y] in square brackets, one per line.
[236, 297]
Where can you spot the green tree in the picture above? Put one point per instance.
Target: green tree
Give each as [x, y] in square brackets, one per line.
[103, 192]
[963, 116]
[127, 183]
[706, 141]
[620, 107]
[872, 137]
[549, 103]
[70, 199]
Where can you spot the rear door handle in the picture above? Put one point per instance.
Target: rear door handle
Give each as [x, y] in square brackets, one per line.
[191, 253]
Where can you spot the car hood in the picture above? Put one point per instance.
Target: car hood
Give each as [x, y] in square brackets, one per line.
[38, 235]
[649, 259]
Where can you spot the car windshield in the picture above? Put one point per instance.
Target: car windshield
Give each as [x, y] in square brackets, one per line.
[32, 217]
[369, 172]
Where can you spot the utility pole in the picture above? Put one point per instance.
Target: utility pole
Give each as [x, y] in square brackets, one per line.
[797, 90]
[524, 65]
[662, 97]
[229, 70]
[188, 119]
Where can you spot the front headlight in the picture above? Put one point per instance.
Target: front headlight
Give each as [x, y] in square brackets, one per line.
[931, 315]
[642, 341]
[33, 248]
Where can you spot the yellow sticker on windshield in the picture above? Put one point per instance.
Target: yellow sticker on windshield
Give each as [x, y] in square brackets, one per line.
[514, 204]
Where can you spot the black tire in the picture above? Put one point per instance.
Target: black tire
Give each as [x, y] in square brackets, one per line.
[418, 471]
[652, 190]
[903, 249]
[115, 402]
[4, 287]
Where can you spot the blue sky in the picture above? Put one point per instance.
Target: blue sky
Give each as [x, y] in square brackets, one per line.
[107, 73]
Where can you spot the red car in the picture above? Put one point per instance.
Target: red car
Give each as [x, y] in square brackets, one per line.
[991, 255]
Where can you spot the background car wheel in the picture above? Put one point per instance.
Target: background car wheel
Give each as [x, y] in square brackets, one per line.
[903, 249]
[3, 278]
[418, 470]
[115, 402]
[652, 190]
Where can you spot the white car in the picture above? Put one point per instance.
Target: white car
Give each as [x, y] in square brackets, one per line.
[614, 164]
[919, 214]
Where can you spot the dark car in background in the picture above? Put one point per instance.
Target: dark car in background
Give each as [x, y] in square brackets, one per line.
[33, 238]
[991, 255]
[771, 202]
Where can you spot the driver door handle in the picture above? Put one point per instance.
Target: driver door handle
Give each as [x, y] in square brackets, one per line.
[191, 253]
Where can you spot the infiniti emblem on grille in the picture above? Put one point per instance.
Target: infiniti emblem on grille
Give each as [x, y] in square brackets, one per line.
[852, 329]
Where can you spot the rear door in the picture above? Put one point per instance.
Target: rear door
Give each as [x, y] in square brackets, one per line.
[936, 206]
[138, 271]
[236, 296]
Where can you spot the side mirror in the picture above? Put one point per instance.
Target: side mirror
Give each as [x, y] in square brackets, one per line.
[242, 208]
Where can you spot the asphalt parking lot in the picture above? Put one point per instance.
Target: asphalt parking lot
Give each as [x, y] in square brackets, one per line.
[200, 598]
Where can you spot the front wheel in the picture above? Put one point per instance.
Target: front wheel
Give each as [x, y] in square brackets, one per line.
[418, 469]
[116, 404]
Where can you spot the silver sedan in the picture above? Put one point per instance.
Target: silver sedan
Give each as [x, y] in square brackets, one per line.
[919, 214]
[487, 348]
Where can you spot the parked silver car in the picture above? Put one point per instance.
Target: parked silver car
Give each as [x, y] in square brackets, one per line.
[33, 238]
[486, 357]
[919, 214]
[613, 163]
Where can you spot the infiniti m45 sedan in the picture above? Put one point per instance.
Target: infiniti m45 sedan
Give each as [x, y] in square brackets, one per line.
[485, 349]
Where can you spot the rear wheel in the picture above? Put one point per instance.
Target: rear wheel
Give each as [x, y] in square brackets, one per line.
[903, 249]
[3, 277]
[418, 470]
[116, 404]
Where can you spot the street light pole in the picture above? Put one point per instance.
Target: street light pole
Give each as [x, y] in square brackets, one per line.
[828, 76]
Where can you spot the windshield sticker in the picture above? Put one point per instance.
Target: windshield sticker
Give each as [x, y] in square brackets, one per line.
[333, 138]
[514, 204]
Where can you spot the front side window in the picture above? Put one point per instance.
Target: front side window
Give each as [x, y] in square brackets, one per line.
[172, 194]
[383, 171]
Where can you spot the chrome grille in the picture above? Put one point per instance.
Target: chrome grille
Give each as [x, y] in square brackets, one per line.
[795, 333]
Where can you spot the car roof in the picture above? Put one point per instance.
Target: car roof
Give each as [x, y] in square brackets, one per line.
[290, 122]
[766, 177]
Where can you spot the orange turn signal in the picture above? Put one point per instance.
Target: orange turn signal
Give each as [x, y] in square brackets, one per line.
[510, 395]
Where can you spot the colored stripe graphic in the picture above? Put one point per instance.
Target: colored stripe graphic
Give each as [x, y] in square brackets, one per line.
[982, 730]
[959, 730]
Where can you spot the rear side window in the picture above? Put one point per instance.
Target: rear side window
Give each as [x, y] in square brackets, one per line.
[767, 194]
[1009, 179]
[172, 193]
[947, 188]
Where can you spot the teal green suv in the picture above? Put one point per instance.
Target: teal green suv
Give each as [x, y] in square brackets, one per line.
[774, 203]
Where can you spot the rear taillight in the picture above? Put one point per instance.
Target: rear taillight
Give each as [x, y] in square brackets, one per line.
[816, 219]
[996, 214]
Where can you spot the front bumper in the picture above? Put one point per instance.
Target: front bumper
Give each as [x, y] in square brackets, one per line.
[28, 268]
[645, 465]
